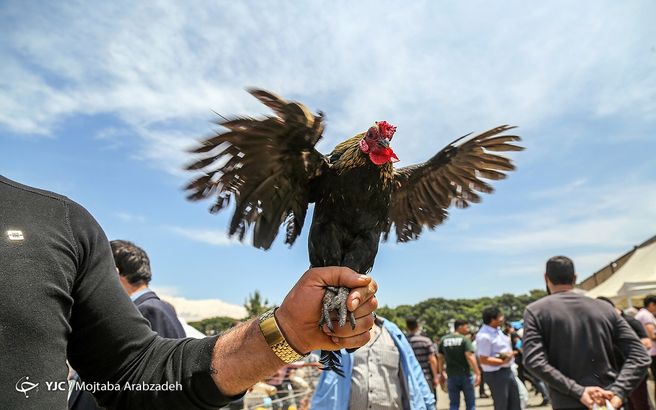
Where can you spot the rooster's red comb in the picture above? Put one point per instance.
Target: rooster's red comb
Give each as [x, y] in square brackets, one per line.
[386, 129]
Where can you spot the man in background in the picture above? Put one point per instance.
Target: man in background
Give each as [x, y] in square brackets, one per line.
[457, 352]
[496, 355]
[569, 340]
[424, 351]
[133, 266]
[383, 374]
[646, 317]
[639, 397]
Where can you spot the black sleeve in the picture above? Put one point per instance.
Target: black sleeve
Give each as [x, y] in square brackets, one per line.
[636, 359]
[535, 360]
[637, 327]
[111, 343]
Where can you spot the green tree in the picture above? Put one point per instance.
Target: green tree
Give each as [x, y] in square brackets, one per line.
[254, 305]
[214, 325]
[438, 314]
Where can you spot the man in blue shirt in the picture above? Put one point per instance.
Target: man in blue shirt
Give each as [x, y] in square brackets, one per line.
[405, 389]
[496, 355]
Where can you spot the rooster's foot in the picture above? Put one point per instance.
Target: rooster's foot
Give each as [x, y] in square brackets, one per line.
[335, 299]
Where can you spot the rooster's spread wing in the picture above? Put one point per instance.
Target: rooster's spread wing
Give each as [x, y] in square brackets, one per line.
[266, 165]
[422, 193]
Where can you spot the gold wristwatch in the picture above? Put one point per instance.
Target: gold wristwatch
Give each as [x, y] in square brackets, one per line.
[276, 340]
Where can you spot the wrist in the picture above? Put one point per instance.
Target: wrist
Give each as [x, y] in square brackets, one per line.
[618, 393]
[284, 322]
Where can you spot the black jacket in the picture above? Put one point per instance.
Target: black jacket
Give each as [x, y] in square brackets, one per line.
[160, 315]
[568, 343]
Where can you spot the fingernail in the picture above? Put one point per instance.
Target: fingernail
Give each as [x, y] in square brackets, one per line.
[335, 340]
[355, 303]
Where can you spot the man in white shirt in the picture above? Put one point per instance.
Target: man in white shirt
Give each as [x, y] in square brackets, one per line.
[496, 355]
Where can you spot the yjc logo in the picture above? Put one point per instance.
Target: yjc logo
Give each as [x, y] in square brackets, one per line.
[24, 385]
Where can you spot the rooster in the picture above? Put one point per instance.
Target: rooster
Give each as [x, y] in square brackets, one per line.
[271, 169]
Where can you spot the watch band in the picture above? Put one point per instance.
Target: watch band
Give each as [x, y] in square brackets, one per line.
[275, 338]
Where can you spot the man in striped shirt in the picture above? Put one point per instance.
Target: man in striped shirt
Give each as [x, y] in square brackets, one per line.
[424, 351]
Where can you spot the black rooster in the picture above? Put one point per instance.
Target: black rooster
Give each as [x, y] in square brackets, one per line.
[273, 171]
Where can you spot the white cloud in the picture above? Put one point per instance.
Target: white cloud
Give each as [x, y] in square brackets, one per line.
[603, 217]
[129, 217]
[208, 236]
[437, 70]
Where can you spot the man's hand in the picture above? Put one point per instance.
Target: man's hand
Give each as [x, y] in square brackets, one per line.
[507, 356]
[437, 378]
[595, 394]
[299, 314]
[616, 402]
[477, 380]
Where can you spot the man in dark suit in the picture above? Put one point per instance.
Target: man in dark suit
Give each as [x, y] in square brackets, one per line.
[133, 267]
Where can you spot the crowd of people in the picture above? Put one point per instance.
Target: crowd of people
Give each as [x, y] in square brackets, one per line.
[573, 350]
[91, 304]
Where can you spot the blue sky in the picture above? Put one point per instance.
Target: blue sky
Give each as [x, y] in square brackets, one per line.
[99, 100]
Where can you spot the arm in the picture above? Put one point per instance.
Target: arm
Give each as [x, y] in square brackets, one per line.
[646, 342]
[432, 361]
[494, 361]
[651, 333]
[471, 359]
[205, 372]
[486, 355]
[242, 357]
[440, 363]
[636, 359]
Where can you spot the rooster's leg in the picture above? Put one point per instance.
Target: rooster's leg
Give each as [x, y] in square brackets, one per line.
[335, 299]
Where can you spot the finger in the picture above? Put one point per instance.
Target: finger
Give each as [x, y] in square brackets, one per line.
[366, 308]
[361, 294]
[364, 324]
[340, 276]
[353, 341]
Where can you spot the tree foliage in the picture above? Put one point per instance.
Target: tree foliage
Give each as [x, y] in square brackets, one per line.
[255, 306]
[214, 325]
[437, 314]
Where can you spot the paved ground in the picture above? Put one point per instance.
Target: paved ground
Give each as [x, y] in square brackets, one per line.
[443, 401]
[533, 401]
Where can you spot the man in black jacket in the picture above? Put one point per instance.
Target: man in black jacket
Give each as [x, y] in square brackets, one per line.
[133, 266]
[569, 340]
[60, 297]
